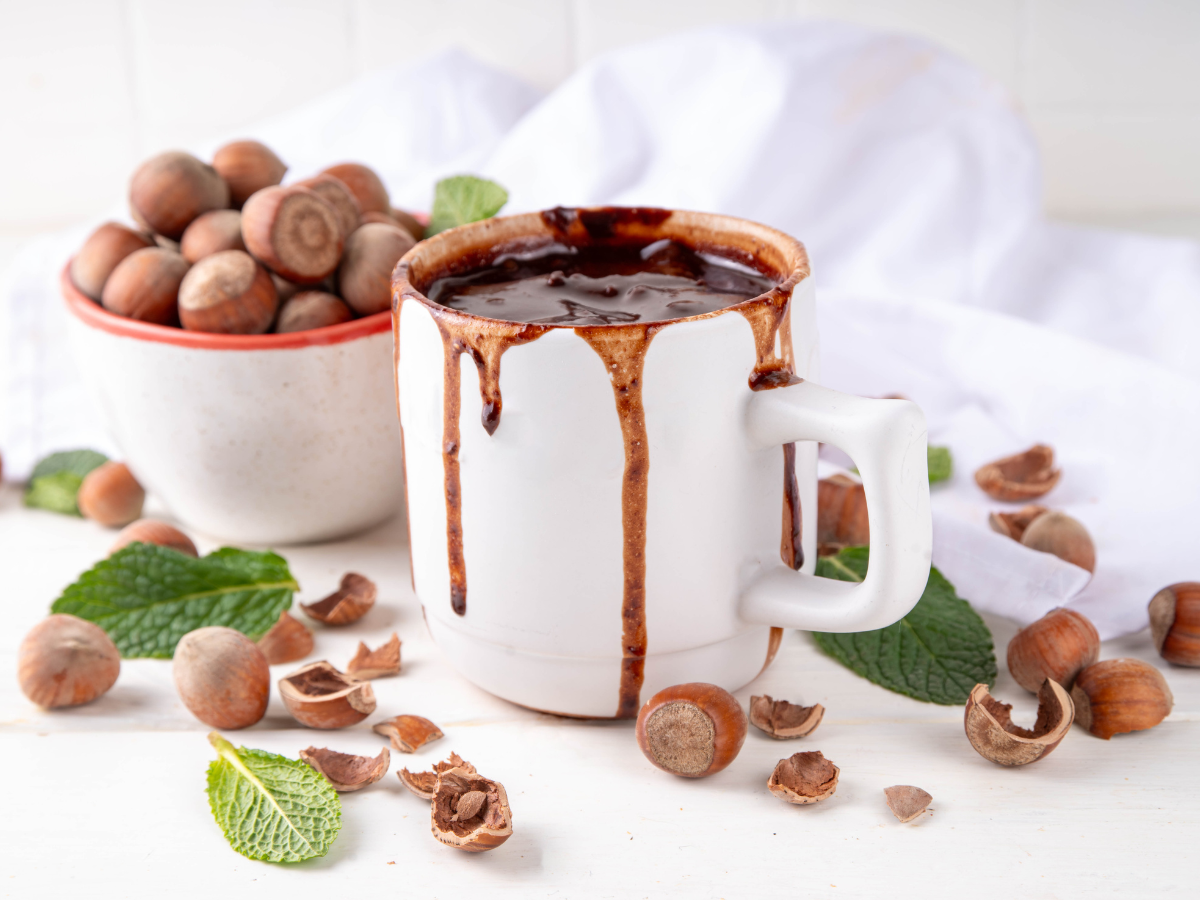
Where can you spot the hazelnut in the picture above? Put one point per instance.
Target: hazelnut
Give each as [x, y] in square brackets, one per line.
[841, 514]
[293, 232]
[152, 531]
[222, 677]
[167, 244]
[1057, 646]
[1022, 476]
[408, 734]
[804, 778]
[145, 286]
[906, 801]
[111, 496]
[378, 663]
[345, 771]
[469, 812]
[211, 233]
[320, 696]
[382, 218]
[424, 784]
[288, 641]
[312, 309]
[247, 166]
[991, 731]
[66, 661]
[409, 223]
[100, 254]
[783, 720]
[168, 191]
[1057, 533]
[1116, 696]
[284, 288]
[366, 186]
[365, 273]
[349, 603]
[227, 293]
[1175, 623]
[334, 192]
[691, 729]
[1013, 525]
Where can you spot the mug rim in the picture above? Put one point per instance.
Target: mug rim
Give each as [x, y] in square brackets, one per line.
[95, 316]
[533, 229]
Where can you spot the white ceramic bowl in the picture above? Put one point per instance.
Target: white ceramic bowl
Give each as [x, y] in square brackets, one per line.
[261, 439]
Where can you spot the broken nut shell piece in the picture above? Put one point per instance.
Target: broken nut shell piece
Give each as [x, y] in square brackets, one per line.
[345, 771]
[408, 734]
[1013, 525]
[783, 720]
[1175, 623]
[320, 696]
[469, 812]
[804, 778]
[378, 663]
[1022, 476]
[991, 731]
[288, 640]
[692, 729]
[1116, 696]
[906, 801]
[424, 784]
[349, 603]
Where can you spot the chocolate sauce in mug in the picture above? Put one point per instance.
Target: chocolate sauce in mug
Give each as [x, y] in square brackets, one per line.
[617, 297]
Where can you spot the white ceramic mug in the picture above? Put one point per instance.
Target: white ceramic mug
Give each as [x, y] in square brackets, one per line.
[260, 439]
[521, 539]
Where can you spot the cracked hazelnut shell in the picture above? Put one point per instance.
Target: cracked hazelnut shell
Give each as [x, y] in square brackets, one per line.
[366, 186]
[66, 661]
[350, 602]
[288, 640]
[1175, 623]
[907, 801]
[381, 662]
[1022, 476]
[1013, 525]
[365, 272]
[804, 778]
[168, 191]
[1056, 532]
[408, 734]
[1057, 646]
[111, 496]
[424, 784]
[469, 812]
[692, 730]
[145, 286]
[293, 232]
[220, 229]
[991, 731]
[248, 167]
[101, 253]
[345, 771]
[1116, 696]
[783, 720]
[227, 293]
[222, 677]
[152, 531]
[319, 696]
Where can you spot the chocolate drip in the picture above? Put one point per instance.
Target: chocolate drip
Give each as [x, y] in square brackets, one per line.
[623, 350]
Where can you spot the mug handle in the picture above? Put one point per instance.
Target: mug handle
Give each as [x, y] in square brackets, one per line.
[887, 440]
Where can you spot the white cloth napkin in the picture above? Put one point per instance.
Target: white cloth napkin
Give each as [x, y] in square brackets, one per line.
[915, 185]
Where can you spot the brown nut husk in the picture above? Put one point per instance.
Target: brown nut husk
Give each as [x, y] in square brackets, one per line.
[1175, 623]
[907, 801]
[424, 784]
[783, 720]
[1013, 525]
[228, 293]
[293, 232]
[168, 191]
[693, 730]
[841, 514]
[248, 167]
[408, 734]
[319, 696]
[152, 531]
[222, 677]
[378, 663]
[145, 286]
[220, 229]
[1058, 646]
[365, 272]
[345, 771]
[366, 186]
[1116, 696]
[312, 309]
[111, 496]
[804, 778]
[288, 640]
[101, 253]
[1022, 476]
[350, 602]
[469, 812]
[66, 661]
[1057, 533]
[991, 731]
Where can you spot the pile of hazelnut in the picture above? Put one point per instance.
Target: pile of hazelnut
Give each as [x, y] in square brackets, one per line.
[224, 248]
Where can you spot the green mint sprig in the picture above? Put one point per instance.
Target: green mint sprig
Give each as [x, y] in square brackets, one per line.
[54, 483]
[941, 464]
[462, 199]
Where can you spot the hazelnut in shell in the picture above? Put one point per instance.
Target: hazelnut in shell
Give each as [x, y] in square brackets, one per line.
[366, 186]
[227, 293]
[841, 514]
[1175, 623]
[991, 731]
[168, 191]
[101, 253]
[312, 309]
[320, 696]
[1057, 533]
[145, 286]
[409, 223]
[66, 661]
[211, 233]
[222, 677]
[293, 232]
[152, 531]
[365, 273]
[247, 167]
[334, 192]
[693, 729]
[1116, 696]
[1057, 646]
[111, 496]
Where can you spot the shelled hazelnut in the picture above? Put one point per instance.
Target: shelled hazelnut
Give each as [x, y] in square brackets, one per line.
[366, 186]
[227, 293]
[293, 232]
[1175, 623]
[247, 166]
[66, 661]
[1115, 696]
[145, 286]
[334, 192]
[312, 309]
[222, 677]
[111, 496]
[168, 191]
[693, 730]
[211, 233]
[365, 273]
[101, 253]
[1057, 646]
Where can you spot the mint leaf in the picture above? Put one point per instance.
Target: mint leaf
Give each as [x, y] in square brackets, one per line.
[462, 199]
[270, 807]
[54, 482]
[941, 465]
[147, 597]
[936, 653]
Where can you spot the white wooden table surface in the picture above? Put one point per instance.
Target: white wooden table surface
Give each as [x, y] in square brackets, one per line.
[108, 800]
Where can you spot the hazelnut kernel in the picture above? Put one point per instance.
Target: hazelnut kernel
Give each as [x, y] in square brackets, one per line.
[692, 730]
[66, 661]
[111, 496]
[1057, 646]
[222, 677]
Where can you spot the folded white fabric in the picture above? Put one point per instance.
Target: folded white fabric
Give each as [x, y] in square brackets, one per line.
[916, 187]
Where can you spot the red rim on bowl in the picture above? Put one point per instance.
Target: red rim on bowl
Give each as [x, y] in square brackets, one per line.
[94, 315]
